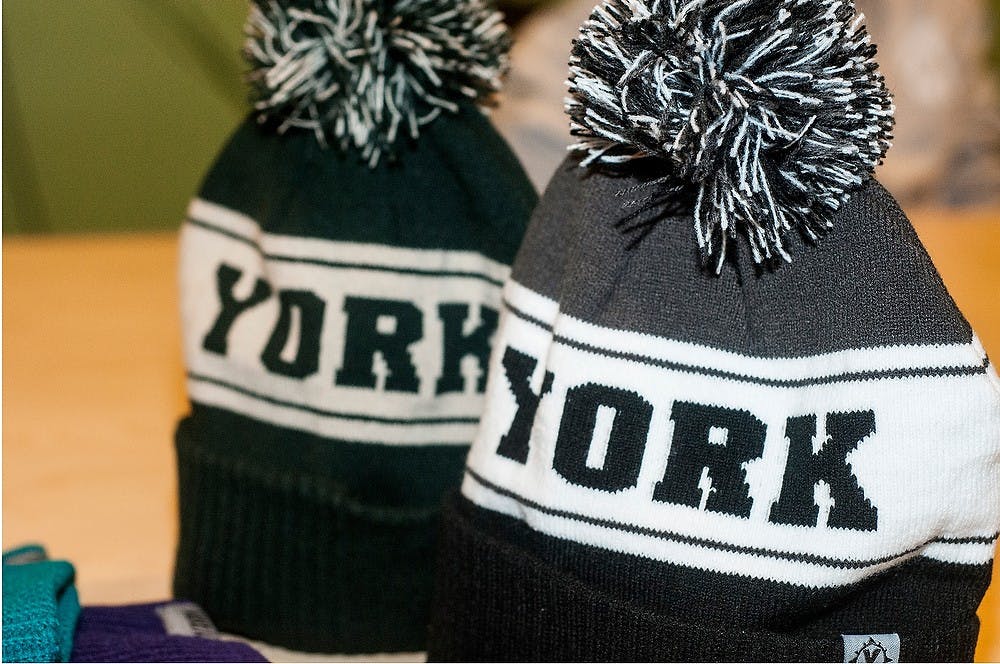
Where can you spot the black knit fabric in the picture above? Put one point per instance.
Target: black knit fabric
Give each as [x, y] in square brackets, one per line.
[782, 462]
[733, 413]
[510, 594]
[299, 557]
[869, 282]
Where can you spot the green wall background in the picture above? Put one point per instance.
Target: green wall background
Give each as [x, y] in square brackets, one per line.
[114, 109]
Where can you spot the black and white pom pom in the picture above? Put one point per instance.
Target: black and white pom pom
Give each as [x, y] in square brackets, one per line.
[771, 111]
[365, 74]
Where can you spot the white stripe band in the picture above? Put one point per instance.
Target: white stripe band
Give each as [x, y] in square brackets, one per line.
[345, 252]
[927, 465]
[423, 282]
[880, 359]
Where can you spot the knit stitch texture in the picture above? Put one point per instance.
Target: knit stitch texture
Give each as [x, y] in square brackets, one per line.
[40, 607]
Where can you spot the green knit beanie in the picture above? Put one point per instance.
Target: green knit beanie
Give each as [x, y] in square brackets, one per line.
[341, 275]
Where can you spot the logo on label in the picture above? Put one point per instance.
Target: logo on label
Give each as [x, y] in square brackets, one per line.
[871, 647]
[186, 619]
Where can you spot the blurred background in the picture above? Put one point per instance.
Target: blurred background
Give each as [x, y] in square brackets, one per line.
[114, 109]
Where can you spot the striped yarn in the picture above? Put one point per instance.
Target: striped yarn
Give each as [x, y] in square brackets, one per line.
[363, 74]
[774, 110]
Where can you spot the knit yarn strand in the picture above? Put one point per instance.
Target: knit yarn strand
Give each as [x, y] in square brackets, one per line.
[772, 112]
[364, 74]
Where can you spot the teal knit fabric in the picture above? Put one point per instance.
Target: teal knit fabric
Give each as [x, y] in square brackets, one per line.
[40, 607]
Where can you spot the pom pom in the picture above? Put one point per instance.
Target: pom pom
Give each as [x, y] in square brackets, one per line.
[364, 74]
[772, 112]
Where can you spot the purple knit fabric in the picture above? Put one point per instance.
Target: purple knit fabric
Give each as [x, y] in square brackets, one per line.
[136, 633]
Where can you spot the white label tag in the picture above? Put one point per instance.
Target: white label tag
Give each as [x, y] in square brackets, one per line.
[871, 647]
[186, 619]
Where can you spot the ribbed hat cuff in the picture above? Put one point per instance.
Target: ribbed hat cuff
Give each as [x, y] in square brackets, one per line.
[287, 558]
[498, 602]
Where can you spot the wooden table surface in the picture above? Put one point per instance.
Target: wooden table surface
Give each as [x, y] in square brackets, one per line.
[93, 385]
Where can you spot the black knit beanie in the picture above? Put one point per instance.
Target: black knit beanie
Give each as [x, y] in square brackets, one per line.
[733, 413]
[341, 274]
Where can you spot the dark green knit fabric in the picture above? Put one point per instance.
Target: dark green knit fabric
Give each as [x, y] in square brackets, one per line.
[459, 187]
[284, 536]
[301, 523]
